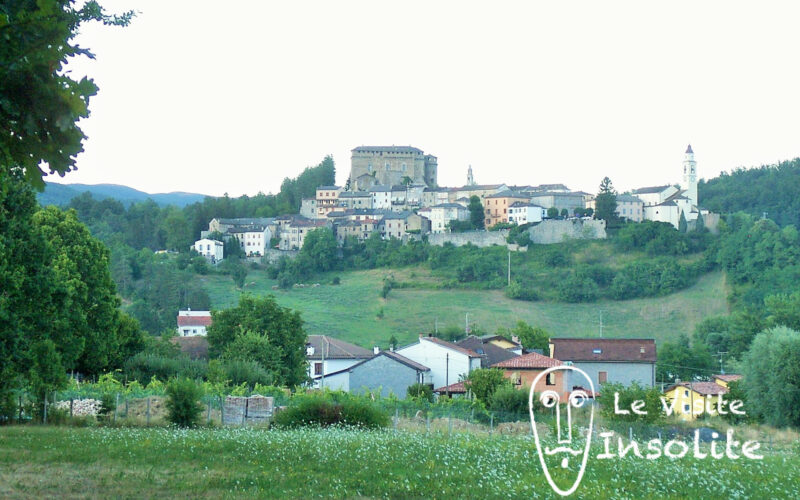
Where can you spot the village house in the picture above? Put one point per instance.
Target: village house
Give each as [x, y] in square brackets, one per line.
[327, 199]
[210, 249]
[399, 224]
[525, 213]
[354, 200]
[630, 207]
[441, 215]
[523, 370]
[496, 206]
[381, 197]
[193, 323]
[446, 360]
[559, 200]
[434, 196]
[220, 225]
[724, 379]
[359, 229]
[387, 372]
[490, 352]
[693, 399]
[294, 232]
[623, 361]
[479, 190]
[308, 208]
[503, 342]
[253, 240]
[326, 355]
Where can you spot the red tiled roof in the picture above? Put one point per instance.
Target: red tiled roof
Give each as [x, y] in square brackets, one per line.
[631, 350]
[457, 388]
[532, 360]
[704, 388]
[728, 378]
[450, 345]
[194, 320]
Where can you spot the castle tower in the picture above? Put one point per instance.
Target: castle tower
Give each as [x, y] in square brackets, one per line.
[689, 183]
[470, 178]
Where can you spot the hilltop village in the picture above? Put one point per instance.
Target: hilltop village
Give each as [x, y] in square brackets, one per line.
[393, 190]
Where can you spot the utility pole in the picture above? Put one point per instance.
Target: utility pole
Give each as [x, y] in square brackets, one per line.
[322, 380]
[447, 374]
[509, 268]
[721, 368]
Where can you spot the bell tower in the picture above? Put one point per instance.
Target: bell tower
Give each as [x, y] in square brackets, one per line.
[470, 178]
[689, 183]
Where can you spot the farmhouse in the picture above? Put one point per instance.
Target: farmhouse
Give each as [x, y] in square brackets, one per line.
[387, 372]
[447, 361]
[621, 361]
[523, 370]
[692, 399]
[192, 323]
[327, 355]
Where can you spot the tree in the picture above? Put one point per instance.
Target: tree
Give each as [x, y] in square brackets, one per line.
[251, 346]
[282, 327]
[483, 382]
[475, 208]
[564, 213]
[393, 342]
[552, 213]
[532, 337]
[627, 395]
[183, 402]
[321, 248]
[606, 202]
[40, 104]
[770, 377]
[683, 226]
[680, 360]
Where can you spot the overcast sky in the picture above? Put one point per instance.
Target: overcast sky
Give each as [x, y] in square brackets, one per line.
[215, 97]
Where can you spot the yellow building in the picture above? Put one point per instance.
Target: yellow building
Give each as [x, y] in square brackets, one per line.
[724, 380]
[496, 207]
[692, 399]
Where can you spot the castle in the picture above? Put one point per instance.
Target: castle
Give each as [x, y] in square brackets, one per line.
[391, 166]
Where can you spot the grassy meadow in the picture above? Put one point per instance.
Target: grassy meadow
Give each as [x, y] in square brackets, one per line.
[350, 311]
[42, 461]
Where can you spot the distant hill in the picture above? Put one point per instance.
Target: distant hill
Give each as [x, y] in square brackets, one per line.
[61, 194]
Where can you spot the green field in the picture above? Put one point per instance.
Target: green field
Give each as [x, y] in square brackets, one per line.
[350, 310]
[39, 462]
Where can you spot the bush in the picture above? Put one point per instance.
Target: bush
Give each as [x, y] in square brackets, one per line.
[246, 372]
[144, 366]
[421, 392]
[331, 408]
[183, 402]
[108, 404]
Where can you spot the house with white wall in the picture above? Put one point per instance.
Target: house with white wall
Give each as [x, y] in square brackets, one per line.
[210, 249]
[381, 197]
[441, 215]
[193, 323]
[446, 360]
[253, 240]
[327, 355]
[524, 213]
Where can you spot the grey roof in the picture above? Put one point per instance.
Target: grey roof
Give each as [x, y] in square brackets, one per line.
[380, 189]
[354, 194]
[449, 205]
[488, 351]
[479, 187]
[689, 149]
[398, 215]
[628, 198]
[650, 190]
[254, 221]
[389, 354]
[556, 193]
[549, 187]
[328, 187]
[387, 149]
[247, 229]
[335, 348]
[507, 194]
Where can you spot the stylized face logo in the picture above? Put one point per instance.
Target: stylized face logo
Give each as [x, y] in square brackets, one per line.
[565, 450]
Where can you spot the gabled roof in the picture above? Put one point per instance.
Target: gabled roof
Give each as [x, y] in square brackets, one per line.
[629, 198]
[247, 229]
[194, 320]
[335, 348]
[404, 360]
[328, 188]
[732, 377]
[703, 388]
[450, 345]
[449, 205]
[650, 190]
[252, 221]
[522, 204]
[530, 361]
[538, 194]
[594, 349]
[488, 351]
[380, 189]
[457, 388]
[386, 149]
[508, 194]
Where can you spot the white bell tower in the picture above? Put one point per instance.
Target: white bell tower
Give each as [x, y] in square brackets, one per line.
[689, 183]
[470, 178]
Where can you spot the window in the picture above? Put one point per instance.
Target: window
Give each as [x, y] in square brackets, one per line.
[602, 377]
[317, 368]
[686, 408]
[551, 379]
[194, 330]
[597, 351]
[686, 393]
[403, 167]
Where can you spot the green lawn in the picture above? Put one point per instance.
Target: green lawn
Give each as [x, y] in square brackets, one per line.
[65, 462]
[350, 310]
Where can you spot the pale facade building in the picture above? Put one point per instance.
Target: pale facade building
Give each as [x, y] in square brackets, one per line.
[526, 213]
[193, 323]
[210, 249]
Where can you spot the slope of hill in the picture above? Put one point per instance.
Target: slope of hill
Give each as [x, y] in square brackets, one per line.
[61, 194]
[350, 311]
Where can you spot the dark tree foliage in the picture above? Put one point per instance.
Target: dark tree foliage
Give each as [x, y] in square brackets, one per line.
[770, 188]
[680, 360]
[606, 203]
[770, 377]
[40, 103]
[282, 329]
[476, 216]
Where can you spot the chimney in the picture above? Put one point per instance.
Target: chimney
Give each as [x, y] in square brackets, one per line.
[515, 339]
[376, 350]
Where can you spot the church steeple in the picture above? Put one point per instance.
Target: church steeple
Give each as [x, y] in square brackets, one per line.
[689, 183]
[470, 178]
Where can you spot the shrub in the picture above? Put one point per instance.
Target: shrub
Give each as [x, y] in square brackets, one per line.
[331, 408]
[246, 372]
[336, 280]
[108, 403]
[183, 402]
[421, 392]
[144, 366]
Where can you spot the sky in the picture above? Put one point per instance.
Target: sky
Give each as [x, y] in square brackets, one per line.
[232, 97]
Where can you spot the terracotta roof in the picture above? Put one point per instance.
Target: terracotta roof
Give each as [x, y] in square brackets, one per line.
[703, 388]
[336, 349]
[532, 360]
[194, 320]
[489, 352]
[196, 347]
[728, 377]
[450, 345]
[630, 350]
[457, 388]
